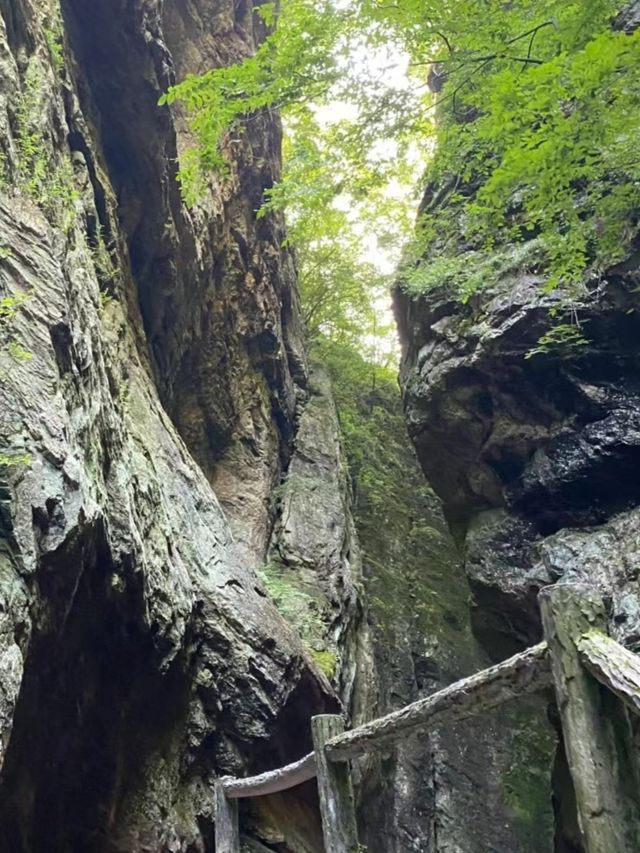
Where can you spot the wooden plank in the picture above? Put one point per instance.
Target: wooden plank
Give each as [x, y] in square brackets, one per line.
[527, 672]
[335, 790]
[613, 665]
[595, 727]
[273, 781]
[227, 825]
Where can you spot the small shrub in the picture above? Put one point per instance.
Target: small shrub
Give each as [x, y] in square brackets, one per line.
[53, 37]
[48, 182]
[565, 339]
[294, 604]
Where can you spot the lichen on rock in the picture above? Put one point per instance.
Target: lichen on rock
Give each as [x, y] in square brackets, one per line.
[532, 449]
[140, 657]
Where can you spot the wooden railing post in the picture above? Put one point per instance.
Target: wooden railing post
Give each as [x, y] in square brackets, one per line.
[227, 825]
[335, 789]
[595, 727]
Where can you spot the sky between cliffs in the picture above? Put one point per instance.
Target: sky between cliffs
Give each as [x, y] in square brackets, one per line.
[389, 67]
[533, 154]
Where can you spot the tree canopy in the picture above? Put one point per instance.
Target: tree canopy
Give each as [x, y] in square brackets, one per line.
[524, 111]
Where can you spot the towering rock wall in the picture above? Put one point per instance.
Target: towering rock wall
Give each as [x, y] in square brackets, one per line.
[314, 564]
[214, 285]
[536, 457]
[469, 788]
[533, 447]
[151, 369]
[181, 577]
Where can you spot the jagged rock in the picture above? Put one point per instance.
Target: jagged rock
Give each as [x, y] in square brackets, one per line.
[533, 450]
[154, 397]
[605, 556]
[314, 564]
[216, 288]
[628, 19]
[140, 656]
[477, 786]
[493, 427]
[545, 443]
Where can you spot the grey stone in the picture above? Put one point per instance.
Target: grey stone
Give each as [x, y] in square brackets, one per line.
[139, 655]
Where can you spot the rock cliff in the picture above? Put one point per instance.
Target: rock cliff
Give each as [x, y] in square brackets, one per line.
[192, 563]
[533, 453]
[478, 786]
[151, 370]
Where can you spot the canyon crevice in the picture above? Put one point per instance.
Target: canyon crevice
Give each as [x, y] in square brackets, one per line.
[190, 568]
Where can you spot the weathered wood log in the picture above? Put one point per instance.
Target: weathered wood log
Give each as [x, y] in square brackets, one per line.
[595, 726]
[227, 825]
[273, 781]
[613, 665]
[527, 672]
[335, 790]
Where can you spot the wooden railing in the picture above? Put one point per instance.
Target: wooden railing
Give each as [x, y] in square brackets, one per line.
[576, 658]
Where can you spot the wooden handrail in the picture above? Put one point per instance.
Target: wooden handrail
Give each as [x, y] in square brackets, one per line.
[613, 665]
[273, 781]
[598, 745]
[526, 672]
[597, 737]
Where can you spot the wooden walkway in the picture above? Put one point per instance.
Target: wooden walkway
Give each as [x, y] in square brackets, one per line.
[578, 659]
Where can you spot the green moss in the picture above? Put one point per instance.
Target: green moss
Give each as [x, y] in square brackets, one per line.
[301, 610]
[326, 661]
[414, 580]
[294, 603]
[18, 352]
[525, 784]
[417, 591]
[8, 460]
[9, 306]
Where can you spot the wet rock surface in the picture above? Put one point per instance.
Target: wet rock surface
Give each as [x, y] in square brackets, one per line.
[215, 287]
[477, 786]
[163, 451]
[314, 562]
[543, 443]
[534, 454]
[536, 429]
[140, 656]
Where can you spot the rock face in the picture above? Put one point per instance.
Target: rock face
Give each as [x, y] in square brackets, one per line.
[215, 289]
[314, 568]
[534, 457]
[150, 369]
[184, 562]
[467, 788]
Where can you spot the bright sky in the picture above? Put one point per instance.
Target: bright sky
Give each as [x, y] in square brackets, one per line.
[390, 68]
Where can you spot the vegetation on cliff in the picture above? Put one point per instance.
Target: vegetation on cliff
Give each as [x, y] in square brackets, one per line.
[533, 143]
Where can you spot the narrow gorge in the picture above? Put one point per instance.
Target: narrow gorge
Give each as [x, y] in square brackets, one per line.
[216, 525]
